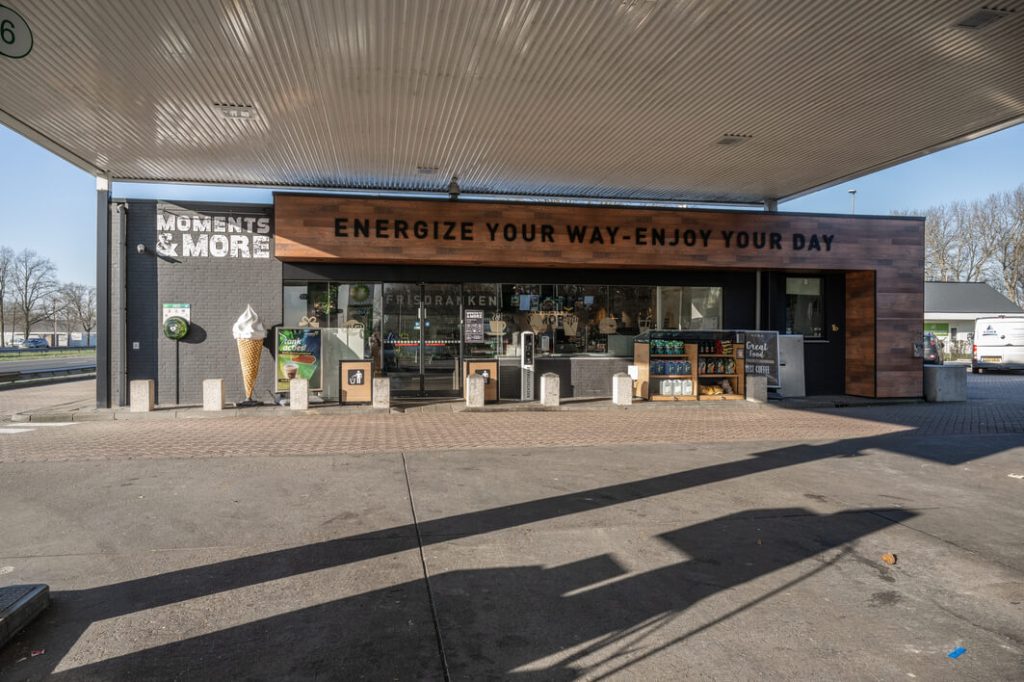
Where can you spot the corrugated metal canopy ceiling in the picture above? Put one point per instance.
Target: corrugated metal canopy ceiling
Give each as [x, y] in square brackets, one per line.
[589, 98]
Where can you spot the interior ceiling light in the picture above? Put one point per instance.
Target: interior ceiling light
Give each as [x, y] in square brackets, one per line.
[734, 138]
[238, 112]
[984, 16]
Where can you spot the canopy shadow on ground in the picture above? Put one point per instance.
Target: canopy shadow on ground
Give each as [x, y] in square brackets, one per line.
[496, 621]
[74, 611]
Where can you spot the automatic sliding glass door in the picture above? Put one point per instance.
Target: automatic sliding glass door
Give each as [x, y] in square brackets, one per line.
[422, 337]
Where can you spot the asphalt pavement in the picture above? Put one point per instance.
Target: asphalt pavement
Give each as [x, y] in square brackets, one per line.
[699, 543]
[44, 363]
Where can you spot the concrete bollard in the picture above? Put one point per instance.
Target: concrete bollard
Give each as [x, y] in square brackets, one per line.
[475, 387]
[549, 389]
[382, 393]
[298, 397]
[756, 388]
[141, 396]
[213, 395]
[622, 389]
[945, 383]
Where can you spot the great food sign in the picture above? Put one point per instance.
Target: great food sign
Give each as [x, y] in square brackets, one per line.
[189, 234]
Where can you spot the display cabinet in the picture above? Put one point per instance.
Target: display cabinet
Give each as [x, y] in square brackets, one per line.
[678, 365]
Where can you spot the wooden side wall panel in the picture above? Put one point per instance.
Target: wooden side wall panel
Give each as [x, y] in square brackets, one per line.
[860, 333]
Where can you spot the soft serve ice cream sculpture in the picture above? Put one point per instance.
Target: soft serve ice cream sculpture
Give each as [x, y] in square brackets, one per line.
[249, 334]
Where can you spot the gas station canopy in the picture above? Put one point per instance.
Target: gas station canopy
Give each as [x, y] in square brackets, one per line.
[619, 99]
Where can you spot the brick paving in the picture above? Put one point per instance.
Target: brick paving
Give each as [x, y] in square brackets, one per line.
[996, 408]
[54, 395]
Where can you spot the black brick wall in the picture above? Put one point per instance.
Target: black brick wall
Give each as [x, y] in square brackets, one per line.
[218, 290]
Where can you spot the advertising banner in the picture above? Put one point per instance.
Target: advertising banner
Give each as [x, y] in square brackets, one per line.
[761, 355]
[298, 357]
[474, 326]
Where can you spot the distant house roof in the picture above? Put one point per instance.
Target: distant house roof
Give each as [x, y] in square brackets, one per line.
[966, 297]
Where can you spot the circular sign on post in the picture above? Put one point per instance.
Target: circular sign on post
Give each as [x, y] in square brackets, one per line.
[175, 328]
[15, 35]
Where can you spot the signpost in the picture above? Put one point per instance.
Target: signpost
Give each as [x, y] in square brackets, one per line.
[761, 355]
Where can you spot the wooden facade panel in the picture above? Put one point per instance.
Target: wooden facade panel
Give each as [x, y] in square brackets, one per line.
[475, 233]
[883, 257]
[896, 304]
[895, 384]
[860, 333]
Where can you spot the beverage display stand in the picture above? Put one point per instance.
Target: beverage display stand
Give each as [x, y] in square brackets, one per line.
[674, 365]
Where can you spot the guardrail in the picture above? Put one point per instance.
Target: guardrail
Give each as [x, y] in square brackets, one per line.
[9, 377]
[12, 352]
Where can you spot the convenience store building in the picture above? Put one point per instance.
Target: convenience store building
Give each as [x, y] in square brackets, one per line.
[397, 281]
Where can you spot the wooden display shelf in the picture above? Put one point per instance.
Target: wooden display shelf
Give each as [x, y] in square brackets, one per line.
[658, 396]
[715, 355]
[659, 357]
[671, 376]
[722, 397]
[714, 376]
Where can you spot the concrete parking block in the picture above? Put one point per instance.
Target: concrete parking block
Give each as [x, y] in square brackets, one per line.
[19, 606]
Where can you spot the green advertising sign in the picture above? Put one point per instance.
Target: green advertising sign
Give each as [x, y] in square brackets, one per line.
[937, 328]
[298, 356]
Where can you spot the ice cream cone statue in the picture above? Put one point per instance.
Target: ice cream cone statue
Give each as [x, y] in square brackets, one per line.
[249, 334]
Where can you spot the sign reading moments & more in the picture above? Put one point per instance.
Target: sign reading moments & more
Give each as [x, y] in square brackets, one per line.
[189, 234]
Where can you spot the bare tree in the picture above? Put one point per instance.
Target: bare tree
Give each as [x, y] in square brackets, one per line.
[979, 241]
[6, 278]
[1009, 243]
[34, 281]
[81, 305]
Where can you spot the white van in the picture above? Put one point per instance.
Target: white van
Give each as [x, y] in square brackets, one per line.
[998, 343]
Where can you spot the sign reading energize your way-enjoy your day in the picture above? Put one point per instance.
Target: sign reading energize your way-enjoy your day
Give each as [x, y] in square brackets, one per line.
[370, 230]
[639, 235]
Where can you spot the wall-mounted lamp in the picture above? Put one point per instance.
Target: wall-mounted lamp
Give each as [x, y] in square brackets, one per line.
[453, 188]
[140, 249]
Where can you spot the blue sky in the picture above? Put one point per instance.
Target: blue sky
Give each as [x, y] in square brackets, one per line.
[50, 206]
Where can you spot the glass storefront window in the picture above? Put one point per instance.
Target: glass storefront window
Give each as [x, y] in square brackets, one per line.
[348, 314]
[804, 307]
[690, 308]
[586, 321]
[373, 320]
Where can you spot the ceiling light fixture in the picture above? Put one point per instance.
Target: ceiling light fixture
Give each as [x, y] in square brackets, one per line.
[983, 17]
[236, 112]
[453, 188]
[734, 138]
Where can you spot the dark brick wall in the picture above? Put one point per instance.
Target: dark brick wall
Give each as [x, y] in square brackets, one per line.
[218, 290]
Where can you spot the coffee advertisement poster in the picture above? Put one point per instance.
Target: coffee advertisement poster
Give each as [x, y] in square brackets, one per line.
[298, 357]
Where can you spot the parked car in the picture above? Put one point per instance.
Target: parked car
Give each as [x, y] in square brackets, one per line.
[33, 342]
[998, 343]
[932, 349]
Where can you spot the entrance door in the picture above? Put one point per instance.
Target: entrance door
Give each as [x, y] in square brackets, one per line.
[423, 339]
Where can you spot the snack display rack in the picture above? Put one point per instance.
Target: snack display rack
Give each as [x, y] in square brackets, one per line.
[679, 366]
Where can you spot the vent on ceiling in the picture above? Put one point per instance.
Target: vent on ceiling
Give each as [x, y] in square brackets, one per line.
[425, 169]
[983, 17]
[734, 138]
[242, 112]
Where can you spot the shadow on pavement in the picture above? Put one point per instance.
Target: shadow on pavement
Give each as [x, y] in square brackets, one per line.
[496, 621]
[390, 633]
